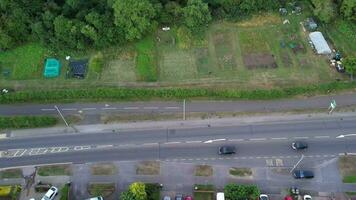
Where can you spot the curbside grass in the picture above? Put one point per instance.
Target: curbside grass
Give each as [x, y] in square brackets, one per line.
[27, 121]
[144, 94]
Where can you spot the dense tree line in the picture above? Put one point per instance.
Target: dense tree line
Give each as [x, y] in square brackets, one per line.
[79, 24]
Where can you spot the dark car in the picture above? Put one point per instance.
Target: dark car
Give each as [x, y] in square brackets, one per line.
[179, 197]
[227, 150]
[301, 174]
[298, 145]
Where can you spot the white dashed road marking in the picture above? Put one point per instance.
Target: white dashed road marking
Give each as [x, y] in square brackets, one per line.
[172, 142]
[109, 108]
[150, 143]
[171, 107]
[280, 138]
[89, 109]
[130, 108]
[68, 109]
[150, 108]
[257, 139]
[48, 109]
[301, 137]
[322, 136]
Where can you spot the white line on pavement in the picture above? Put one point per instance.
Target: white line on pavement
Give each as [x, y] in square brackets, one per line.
[150, 143]
[68, 109]
[1, 152]
[48, 109]
[130, 108]
[79, 148]
[172, 142]
[193, 141]
[322, 136]
[279, 138]
[109, 108]
[150, 108]
[236, 140]
[3, 136]
[257, 139]
[302, 137]
[104, 146]
[168, 107]
[89, 109]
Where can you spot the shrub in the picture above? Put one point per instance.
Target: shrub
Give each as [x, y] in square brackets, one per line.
[96, 62]
[184, 37]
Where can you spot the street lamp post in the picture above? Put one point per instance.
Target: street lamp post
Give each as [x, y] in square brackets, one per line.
[300, 160]
[60, 114]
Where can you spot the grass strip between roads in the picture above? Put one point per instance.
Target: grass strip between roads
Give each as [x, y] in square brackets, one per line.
[54, 170]
[143, 94]
[27, 121]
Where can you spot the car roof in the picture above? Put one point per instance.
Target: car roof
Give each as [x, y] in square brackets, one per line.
[49, 192]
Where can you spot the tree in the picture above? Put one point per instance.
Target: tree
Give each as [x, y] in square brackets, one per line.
[172, 13]
[238, 192]
[325, 10]
[350, 65]
[196, 15]
[348, 9]
[134, 17]
[138, 191]
[127, 195]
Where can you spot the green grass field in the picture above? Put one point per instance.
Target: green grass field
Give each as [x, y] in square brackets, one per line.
[146, 60]
[343, 35]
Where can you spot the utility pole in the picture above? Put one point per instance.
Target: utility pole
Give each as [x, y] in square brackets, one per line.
[300, 160]
[60, 114]
[184, 109]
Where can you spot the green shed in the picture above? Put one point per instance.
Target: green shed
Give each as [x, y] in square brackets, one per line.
[52, 68]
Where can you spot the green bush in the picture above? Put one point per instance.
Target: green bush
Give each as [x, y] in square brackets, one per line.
[153, 191]
[27, 121]
[96, 63]
[146, 65]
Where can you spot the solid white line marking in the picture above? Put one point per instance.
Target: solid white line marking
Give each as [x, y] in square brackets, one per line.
[68, 109]
[150, 143]
[193, 141]
[322, 136]
[150, 108]
[236, 140]
[182, 159]
[89, 109]
[171, 143]
[243, 157]
[130, 108]
[171, 107]
[279, 138]
[257, 139]
[48, 109]
[79, 148]
[104, 146]
[109, 108]
[301, 137]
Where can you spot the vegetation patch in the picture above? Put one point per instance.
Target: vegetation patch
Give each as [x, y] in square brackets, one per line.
[240, 171]
[10, 192]
[342, 33]
[27, 121]
[11, 173]
[103, 169]
[203, 170]
[65, 192]
[223, 41]
[153, 191]
[101, 189]
[204, 192]
[148, 168]
[96, 63]
[54, 170]
[347, 167]
[146, 63]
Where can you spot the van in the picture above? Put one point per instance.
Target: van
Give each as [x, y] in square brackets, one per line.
[220, 196]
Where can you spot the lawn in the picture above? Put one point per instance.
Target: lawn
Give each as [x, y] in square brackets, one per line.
[103, 169]
[347, 167]
[146, 59]
[54, 170]
[11, 173]
[148, 168]
[240, 171]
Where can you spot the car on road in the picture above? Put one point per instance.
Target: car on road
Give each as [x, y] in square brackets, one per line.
[50, 194]
[166, 198]
[223, 150]
[264, 197]
[179, 197]
[302, 174]
[299, 145]
[188, 198]
[96, 198]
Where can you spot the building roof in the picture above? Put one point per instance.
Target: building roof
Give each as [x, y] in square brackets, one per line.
[52, 68]
[319, 42]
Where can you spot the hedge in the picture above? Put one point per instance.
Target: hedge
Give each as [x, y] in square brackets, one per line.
[27, 121]
[143, 94]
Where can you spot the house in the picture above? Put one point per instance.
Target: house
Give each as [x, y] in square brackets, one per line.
[319, 43]
[78, 68]
[52, 68]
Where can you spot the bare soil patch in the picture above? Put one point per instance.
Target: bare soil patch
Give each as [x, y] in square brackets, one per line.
[203, 170]
[259, 60]
[103, 169]
[148, 168]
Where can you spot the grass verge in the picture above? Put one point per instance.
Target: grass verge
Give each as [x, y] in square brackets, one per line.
[54, 170]
[145, 94]
[65, 192]
[101, 189]
[103, 169]
[11, 173]
[240, 171]
[27, 121]
[347, 167]
[148, 168]
[203, 170]
[204, 192]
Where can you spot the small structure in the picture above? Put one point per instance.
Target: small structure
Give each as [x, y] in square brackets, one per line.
[78, 68]
[283, 11]
[310, 24]
[319, 43]
[52, 68]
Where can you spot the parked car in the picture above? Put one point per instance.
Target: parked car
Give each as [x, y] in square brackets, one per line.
[264, 197]
[302, 174]
[50, 194]
[96, 198]
[166, 198]
[227, 150]
[179, 197]
[307, 197]
[298, 145]
[188, 198]
[220, 196]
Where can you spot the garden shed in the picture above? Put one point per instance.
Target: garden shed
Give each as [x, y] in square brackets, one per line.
[310, 24]
[52, 68]
[319, 43]
[78, 68]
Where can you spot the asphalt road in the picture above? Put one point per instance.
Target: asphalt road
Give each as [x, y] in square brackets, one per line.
[263, 141]
[321, 102]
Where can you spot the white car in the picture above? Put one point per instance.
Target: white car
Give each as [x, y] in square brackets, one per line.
[50, 194]
[264, 197]
[307, 197]
[96, 198]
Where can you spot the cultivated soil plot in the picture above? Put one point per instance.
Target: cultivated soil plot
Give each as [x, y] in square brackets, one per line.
[224, 50]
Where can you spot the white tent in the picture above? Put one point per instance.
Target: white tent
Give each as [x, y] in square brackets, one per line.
[319, 42]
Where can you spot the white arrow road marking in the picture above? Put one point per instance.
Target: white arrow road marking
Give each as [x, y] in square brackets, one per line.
[215, 140]
[347, 135]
